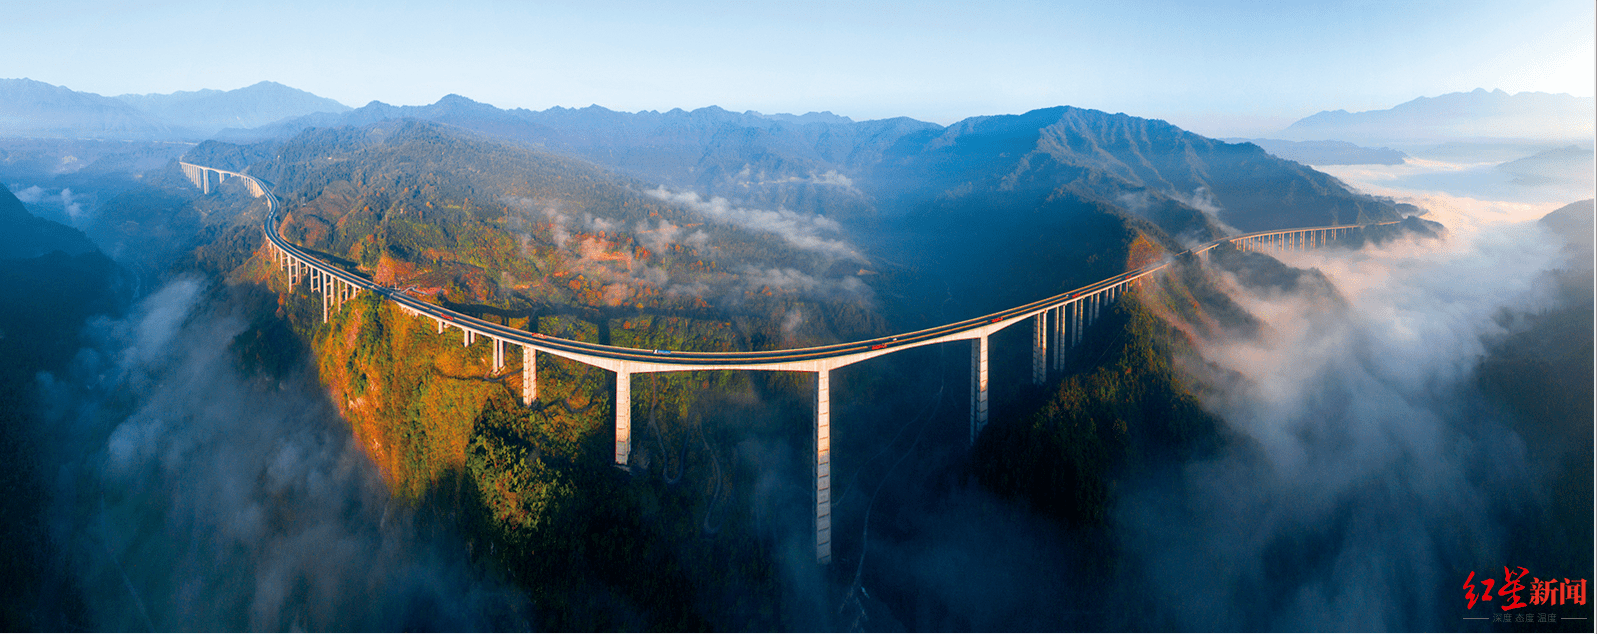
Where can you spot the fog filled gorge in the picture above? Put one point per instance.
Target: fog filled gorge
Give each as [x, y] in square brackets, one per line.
[1367, 468]
[193, 493]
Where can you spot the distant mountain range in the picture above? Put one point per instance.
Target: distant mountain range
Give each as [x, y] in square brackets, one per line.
[1327, 152]
[1461, 116]
[252, 106]
[892, 167]
[35, 109]
[31, 108]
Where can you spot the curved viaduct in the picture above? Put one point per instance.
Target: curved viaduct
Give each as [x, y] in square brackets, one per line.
[1058, 323]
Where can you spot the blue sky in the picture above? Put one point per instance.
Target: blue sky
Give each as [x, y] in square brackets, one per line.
[1218, 68]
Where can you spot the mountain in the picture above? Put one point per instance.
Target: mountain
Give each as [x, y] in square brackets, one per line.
[54, 282]
[209, 111]
[487, 222]
[1572, 164]
[1146, 166]
[1327, 152]
[1575, 224]
[31, 108]
[23, 235]
[759, 159]
[1476, 115]
[851, 169]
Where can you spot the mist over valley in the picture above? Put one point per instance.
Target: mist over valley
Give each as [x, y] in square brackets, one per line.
[1250, 438]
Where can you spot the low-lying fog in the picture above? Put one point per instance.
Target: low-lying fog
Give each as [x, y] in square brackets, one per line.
[1368, 469]
[1503, 173]
[192, 495]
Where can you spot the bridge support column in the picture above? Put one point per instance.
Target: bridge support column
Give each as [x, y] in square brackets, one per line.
[529, 375]
[467, 336]
[1081, 320]
[823, 466]
[499, 354]
[1059, 338]
[1075, 323]
[978, 386]
[440, 325]
[623, 406]
[1039, 349]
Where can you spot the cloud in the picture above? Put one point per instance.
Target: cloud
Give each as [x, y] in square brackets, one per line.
[1203, 200]
[778, 278]
[194, 497]
[800, 230]
[621, 272]
[528, 210]
[1481, 178]
[30, 195]
[663, 235]
[756, 279]
[72, 205]
[791, 322]
[68, 203]
[1364, 461]
[831, 178]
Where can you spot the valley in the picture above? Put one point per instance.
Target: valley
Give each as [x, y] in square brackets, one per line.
[596, 370]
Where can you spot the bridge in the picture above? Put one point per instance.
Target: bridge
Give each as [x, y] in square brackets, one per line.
[1058, 323]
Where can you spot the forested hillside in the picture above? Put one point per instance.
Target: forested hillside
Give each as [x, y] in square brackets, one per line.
[556, 246]
[54, 280]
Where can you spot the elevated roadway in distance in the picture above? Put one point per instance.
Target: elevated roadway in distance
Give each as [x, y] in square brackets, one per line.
[1061, 319]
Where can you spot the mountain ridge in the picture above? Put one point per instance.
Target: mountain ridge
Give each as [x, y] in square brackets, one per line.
[854, 170]
[210, 110]
[30, 108]
[24, 235]
[1478, 114]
